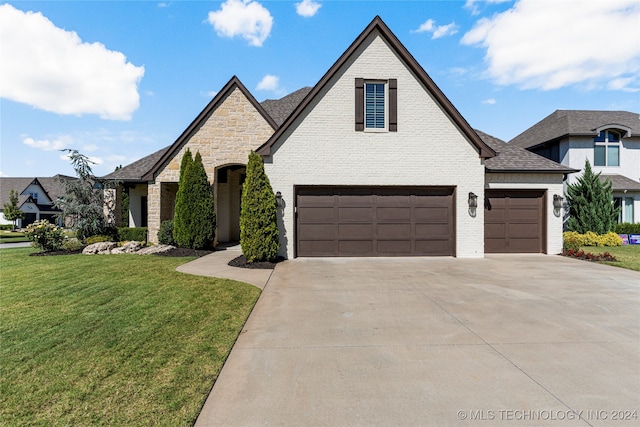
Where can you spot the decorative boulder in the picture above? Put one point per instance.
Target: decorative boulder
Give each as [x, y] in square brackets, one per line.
[128, 248]
[99, 248]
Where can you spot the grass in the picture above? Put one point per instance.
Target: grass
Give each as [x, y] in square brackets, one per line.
[628, 256]
[111, 339]
[12, 237]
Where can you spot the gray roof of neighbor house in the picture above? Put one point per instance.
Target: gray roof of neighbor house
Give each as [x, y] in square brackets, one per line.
[51, 185]
[510, 158]
[280, 109]
[620, 182]
[562, 123]
[136, 170]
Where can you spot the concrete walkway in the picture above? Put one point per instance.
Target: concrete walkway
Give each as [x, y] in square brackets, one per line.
[217, 265]
[506, 340]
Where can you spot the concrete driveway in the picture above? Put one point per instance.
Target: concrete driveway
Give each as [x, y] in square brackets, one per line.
[506, 340]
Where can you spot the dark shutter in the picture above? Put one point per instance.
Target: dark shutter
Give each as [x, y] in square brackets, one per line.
[359, 106]
[393, 105]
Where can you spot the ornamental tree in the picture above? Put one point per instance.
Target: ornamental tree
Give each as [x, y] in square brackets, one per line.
[84, 206]
[590, 203]
[259, 237]
[181, 217]
[12, 211]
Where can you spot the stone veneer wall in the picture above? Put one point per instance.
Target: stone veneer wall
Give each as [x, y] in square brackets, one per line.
[225, 137]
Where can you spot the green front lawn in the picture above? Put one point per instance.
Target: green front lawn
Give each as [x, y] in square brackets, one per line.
[12, 237]
[111, 339]
[628, 256]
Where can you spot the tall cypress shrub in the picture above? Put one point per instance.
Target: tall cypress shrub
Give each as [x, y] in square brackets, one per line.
[203, 216]
[181, 216]
[591, 206]
[258, 224]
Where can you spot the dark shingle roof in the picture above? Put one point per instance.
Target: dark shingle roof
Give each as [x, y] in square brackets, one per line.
[136, 170]
[621, 183]
[562, 123]
[51, 185]
[510, 158]
[280, 109]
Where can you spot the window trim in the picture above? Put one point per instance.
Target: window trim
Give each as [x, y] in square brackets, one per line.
[385, 112]
[391, 105]
[606, 144]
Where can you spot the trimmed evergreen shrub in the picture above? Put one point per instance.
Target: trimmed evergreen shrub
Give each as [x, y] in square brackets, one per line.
[203, 216]
[195, 219]
[591, 206]
[126, 234]
[98, 238]
[259, 237]
[165, 234]
[628, 228]
[181, 215]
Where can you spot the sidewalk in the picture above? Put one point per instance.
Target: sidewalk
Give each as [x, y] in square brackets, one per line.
[216, 265]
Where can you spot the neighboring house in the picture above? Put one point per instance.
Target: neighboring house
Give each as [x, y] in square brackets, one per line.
[36, 197]
[374, 160]
[610, 140]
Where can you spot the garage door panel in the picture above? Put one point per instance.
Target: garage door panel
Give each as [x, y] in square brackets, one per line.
[318, 247]
[430, 214]
[394, 247]
[355, 231]
[355, 247]
[359, 214]
[316, 214]
[431, 247]
[394, 214]
[440, 231]
[317, 231]
[514, 221]
[356, 200]
[314, 201]
[394, 231]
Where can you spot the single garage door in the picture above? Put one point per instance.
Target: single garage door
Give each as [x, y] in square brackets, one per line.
[514, 221]
[379, 221]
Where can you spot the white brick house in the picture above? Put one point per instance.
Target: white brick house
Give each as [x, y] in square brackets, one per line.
[374, 160]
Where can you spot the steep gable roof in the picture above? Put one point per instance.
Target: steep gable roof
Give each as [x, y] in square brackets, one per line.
[563, 123]
[280, 109]
[202, 117]
[378, 25]
[136, 170]
[620, 182]
[52, 186]
[510, 158]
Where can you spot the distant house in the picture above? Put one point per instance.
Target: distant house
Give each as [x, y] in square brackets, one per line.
[374, 160]
[36, 197]
[610, 140]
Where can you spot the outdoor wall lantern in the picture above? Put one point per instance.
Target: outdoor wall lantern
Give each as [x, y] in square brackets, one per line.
[557, 204]
[473, 204]
[279, 200]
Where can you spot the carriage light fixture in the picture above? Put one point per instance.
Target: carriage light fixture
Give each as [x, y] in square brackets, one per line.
[473, 203]
[279, 200]
[557, 204]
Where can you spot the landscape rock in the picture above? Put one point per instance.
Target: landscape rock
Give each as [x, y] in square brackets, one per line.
[128, 248]
[156, 249]
[99, 248]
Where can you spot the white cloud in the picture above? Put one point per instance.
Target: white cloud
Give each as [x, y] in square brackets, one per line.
[89, 148]
[46, 144]
[489, 101]
[472, 5]
[2, 174]
[437, 31]
[307, 8]
[54, 70]
[245, 18]
[548, 45]
[269, 82]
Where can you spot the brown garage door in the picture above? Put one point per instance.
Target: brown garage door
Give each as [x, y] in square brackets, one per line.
[380, 221]
[514, 221]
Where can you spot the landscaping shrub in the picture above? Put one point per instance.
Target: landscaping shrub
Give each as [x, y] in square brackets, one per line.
[627, 228]
[181, 216]
[588, 256]
[165, 235]
[72, 244]
[44, 235]
[574, 240]
[97, 239]
[259, 237]
[128, 234]
[6, 226]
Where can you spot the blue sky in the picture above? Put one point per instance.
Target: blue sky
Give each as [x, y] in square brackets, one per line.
[120, 80]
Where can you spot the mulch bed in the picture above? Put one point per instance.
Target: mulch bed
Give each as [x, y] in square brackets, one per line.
[587, 256]
[180, 252]
[61, 252]
[242, 262]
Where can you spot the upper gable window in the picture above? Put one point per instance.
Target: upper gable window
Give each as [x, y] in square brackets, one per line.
[376, 105]
[606, 149]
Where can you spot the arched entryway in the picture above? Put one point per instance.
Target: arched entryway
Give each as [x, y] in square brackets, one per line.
[228, 195]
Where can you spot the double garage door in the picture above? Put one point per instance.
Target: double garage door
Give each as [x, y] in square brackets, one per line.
[375, 221]
[514, 221]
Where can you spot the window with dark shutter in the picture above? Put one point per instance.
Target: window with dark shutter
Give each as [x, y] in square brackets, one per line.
[376, 104]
